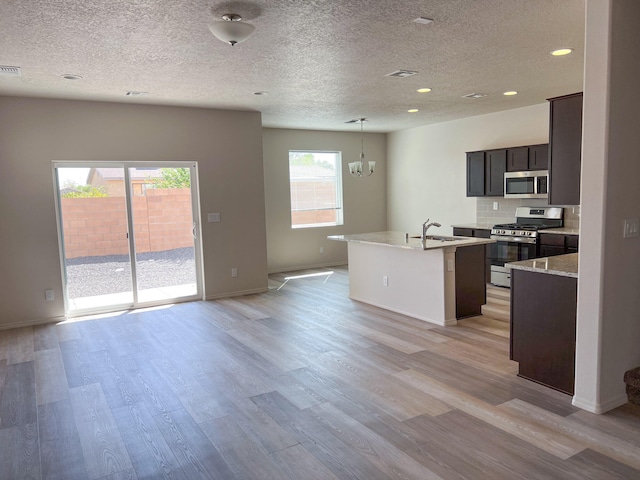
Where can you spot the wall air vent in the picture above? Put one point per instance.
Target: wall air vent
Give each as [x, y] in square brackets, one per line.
[7, 71]
[401, 73]
[475, 95]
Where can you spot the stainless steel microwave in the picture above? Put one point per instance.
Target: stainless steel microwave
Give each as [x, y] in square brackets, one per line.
[531, 184]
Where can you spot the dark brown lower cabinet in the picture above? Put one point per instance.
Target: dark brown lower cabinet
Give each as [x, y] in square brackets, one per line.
[543, 328]
[471, 289]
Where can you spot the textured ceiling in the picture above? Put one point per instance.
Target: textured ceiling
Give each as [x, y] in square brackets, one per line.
[322, 62]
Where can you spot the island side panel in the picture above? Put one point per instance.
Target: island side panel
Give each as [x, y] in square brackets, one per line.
[419, 283]
[471, 288]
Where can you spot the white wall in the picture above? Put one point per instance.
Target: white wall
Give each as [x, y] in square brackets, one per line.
[608, 302]
[363, 198]
[426, 169]
[33, 132]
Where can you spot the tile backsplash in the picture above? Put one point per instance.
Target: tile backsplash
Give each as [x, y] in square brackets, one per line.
[506, 212]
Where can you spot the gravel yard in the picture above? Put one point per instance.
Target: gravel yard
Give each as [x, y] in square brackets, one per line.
[89, 276]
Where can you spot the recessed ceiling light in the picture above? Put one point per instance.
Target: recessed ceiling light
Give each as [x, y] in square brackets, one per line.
[423, 20]
[413, 110]
[71, 76]
[261, 93]
[562, 51]
[510, 93]
[423, 90]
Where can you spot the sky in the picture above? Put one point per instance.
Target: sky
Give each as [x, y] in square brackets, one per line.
[75, 174]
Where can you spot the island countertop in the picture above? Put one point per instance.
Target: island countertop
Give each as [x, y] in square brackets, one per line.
[561, 265]
[397, 240]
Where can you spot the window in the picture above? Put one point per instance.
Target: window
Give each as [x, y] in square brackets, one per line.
[316, 188]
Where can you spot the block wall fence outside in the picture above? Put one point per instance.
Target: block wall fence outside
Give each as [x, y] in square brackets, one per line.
[98, 226]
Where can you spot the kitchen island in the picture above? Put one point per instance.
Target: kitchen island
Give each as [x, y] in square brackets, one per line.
[438, 280]
[543, 319]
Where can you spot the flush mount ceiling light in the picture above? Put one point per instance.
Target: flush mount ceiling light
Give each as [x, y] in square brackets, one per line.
[231, 29]
[423, 90]
[413, 110]
[510, 93]
[71, 76]
[356, 168]
[561, 52]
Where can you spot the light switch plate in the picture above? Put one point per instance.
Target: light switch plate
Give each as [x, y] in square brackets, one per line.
[213, 217]
[631, 227]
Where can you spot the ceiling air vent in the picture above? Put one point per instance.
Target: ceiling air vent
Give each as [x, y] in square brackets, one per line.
[401, 73]
[475, 95]
[7, 71]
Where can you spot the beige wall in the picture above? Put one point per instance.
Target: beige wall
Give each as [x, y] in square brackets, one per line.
[363, 198]
[426, 169]
[33, 132]
[608, 302]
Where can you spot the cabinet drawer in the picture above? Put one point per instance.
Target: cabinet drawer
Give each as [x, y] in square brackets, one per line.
[482, 233]
[552, 239]
[462, 232]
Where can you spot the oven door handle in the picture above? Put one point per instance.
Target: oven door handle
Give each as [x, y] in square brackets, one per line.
[513, 239]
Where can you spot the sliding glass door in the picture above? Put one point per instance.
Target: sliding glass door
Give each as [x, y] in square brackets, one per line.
[128, 234]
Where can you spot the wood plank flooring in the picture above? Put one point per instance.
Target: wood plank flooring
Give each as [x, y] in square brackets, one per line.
[300, 383]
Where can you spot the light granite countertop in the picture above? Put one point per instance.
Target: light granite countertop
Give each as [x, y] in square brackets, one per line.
[397, 240]
[562, 265]
[475, 226]
[562, 231]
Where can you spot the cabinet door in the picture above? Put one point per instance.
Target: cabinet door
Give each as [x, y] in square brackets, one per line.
[543, 333]
[539, 157]
[475, 174]
[495, 166]
[551, 250]
[565, 146]
[517, 159]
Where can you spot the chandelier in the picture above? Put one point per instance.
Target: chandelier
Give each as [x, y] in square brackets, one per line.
[357, 168]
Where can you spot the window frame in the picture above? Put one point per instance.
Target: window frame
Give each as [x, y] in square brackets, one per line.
[339, 210]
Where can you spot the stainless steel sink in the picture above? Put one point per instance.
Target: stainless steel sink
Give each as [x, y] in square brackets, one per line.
[438, 238]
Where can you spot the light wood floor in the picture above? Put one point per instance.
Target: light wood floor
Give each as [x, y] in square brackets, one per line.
[301, 384]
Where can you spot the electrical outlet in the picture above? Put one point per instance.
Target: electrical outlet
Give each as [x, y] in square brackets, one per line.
[234, 272]
[385, 281]
[321, 249]
[48, 295]
[495, 205]
[449, 265]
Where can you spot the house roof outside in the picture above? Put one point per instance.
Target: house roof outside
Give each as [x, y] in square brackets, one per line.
[118, 173]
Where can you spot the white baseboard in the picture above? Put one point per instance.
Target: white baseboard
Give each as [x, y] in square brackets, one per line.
[599, 408]
[31, 323]
[307, 267]
[443, 323]
[237, 293]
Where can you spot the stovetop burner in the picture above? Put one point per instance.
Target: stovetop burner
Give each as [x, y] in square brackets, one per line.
[522, 226]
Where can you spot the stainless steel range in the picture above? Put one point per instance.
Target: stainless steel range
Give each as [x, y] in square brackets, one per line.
[519, 241]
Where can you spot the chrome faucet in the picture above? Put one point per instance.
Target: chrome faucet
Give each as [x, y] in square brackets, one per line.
[425, 227]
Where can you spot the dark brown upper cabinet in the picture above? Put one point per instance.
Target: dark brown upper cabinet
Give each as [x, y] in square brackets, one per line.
[475, 174]
[485, 173]
[565, 149]
[534, 157]
[495, 166]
